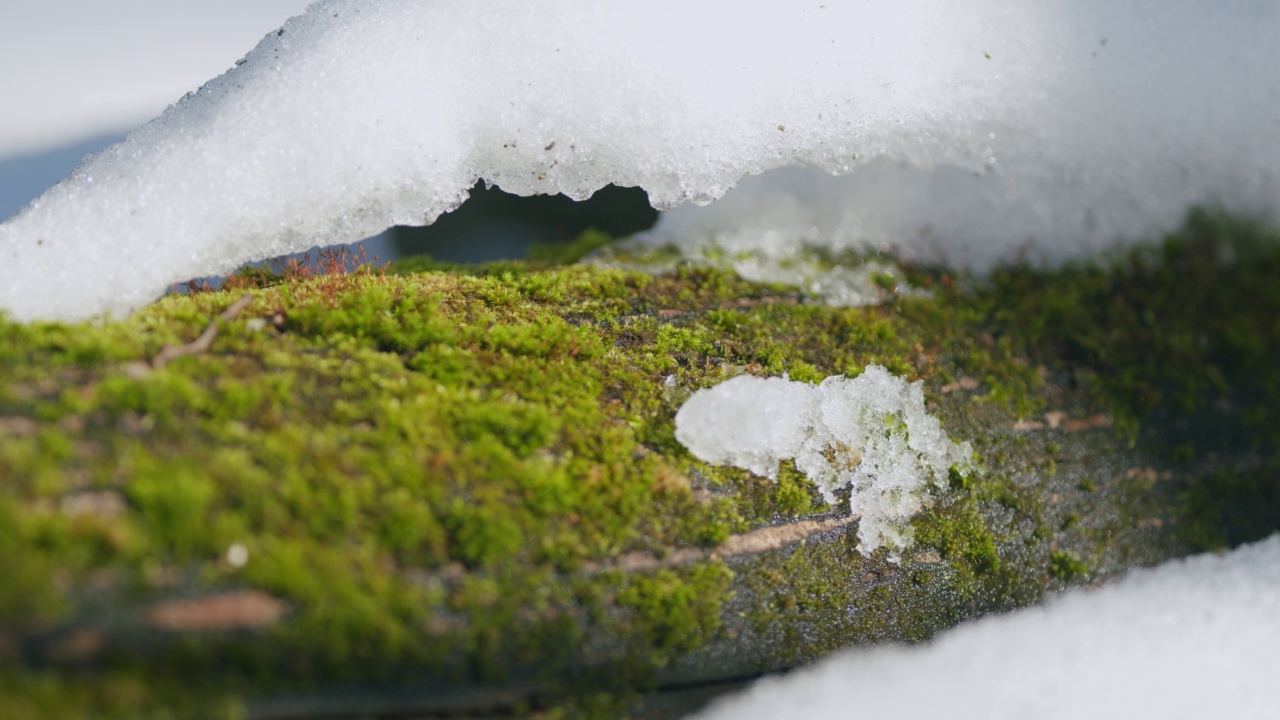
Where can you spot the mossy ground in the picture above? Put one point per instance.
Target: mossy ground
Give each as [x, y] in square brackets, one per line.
[424, 467]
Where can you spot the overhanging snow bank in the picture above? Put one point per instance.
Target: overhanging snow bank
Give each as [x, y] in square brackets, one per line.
[966, 129]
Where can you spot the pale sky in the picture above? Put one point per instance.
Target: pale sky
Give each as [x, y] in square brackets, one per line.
[74, 69]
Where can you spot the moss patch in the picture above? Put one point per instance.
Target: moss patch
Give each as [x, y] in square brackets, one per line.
[1173, 327]
[427, 468]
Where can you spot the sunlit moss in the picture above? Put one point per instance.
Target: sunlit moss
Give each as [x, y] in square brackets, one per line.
[433, 468]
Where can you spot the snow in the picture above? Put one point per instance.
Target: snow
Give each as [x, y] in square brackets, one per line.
[839, 286]
[1191, 639]
[870, 433]
[966, 130]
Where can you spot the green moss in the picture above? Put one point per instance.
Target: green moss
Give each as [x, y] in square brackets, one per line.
[433, 469]
[1178, 341]
[1066, 565]
[1231, 506]
[676, 611]
[112, 696]
[799, 605]
[1175, 326]
[29, 593]
[570, 252]
[959, 531]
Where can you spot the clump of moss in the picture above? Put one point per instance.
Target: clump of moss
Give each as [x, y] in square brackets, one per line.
[1066, 565]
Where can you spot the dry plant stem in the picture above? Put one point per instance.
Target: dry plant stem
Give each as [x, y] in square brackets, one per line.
[756, 542]
[201, 344]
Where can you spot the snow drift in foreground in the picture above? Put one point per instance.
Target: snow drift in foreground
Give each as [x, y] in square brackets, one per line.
[1191, 639]
[870, 433]
[974, 127]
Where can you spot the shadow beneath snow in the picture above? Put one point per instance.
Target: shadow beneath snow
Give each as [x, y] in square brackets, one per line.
[496, 225]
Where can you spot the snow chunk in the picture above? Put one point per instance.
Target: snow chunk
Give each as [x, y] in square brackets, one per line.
[971, 127]
[1190, 639]
[871, 433]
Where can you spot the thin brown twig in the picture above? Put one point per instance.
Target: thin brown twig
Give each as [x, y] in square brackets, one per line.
[201, 344]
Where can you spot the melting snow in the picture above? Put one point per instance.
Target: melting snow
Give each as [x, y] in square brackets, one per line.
[870, 433]
[967, 129]
[1191, 639]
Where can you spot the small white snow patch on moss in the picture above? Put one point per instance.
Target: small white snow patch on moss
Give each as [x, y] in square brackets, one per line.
[871, 433]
